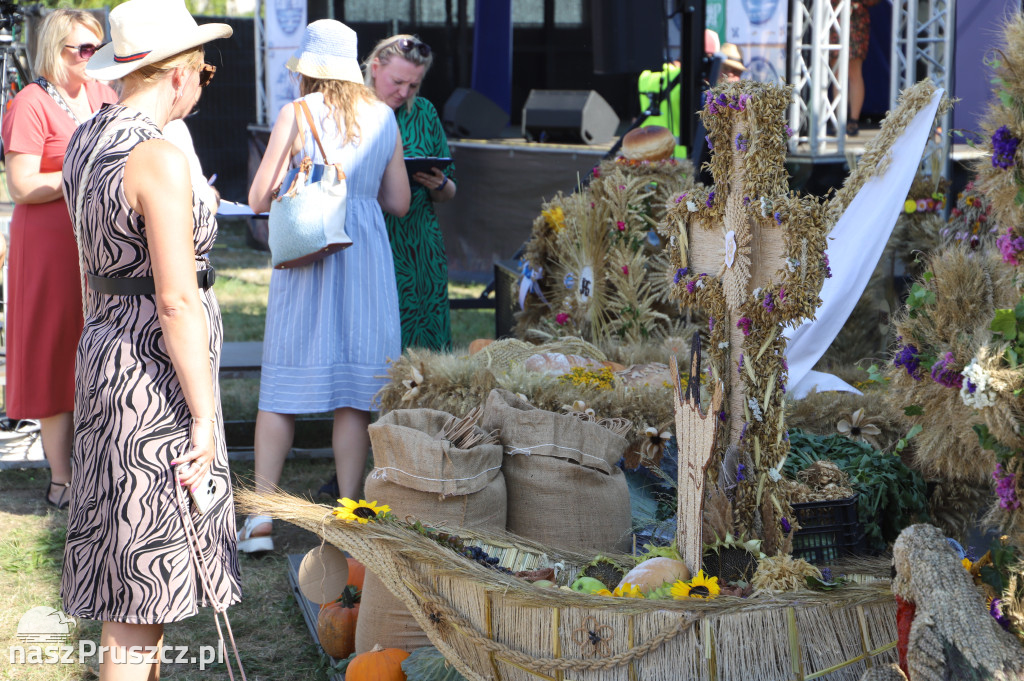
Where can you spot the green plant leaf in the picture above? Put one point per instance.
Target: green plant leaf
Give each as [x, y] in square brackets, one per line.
[913, 410]
[428, 664]
[914, 430]
[1005, 323]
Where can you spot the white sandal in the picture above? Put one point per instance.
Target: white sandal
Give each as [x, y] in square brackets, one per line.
[247, 543]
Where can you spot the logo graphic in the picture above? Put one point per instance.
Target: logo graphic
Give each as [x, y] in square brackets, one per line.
[290, 14]
[760, 11]
[42, 625]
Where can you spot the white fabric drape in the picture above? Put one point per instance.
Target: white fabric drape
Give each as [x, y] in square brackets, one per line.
[854, 247]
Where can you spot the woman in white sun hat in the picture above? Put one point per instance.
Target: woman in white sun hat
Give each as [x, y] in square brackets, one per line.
[145, 398]
[333, 325]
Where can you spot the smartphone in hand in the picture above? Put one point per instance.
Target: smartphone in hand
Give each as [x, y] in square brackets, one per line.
[205, 492]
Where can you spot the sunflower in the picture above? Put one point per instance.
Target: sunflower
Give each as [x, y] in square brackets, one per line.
[628, 591]
[700, 586]
[602, 592]
[362, 511]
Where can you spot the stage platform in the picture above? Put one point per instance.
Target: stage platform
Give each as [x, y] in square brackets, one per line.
[502, 183]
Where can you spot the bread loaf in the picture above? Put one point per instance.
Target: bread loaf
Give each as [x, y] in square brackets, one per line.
[650, 143]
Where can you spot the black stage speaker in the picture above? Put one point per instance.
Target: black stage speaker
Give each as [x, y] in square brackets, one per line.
[568, 116]
[467, 113]
[628, 36]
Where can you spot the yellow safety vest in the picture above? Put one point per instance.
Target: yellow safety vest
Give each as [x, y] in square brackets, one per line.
[668, 116]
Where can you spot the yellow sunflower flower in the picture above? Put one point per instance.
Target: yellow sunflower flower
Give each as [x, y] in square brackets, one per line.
[700, 586]
[361, 511]
[628, 591]
[602, 592]
[966, 562]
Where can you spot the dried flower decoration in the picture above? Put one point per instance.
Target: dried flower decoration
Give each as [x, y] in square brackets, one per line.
[860, 428]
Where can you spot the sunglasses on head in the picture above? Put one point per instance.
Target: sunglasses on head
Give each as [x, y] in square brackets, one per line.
[407, 45]
[206, 72]
[85, 50]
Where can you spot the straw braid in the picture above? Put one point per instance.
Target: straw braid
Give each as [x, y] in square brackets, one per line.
[386, 572]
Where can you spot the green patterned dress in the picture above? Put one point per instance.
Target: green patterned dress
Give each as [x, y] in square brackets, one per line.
[421, 265]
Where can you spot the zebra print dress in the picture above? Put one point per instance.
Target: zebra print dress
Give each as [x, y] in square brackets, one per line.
[126, 558]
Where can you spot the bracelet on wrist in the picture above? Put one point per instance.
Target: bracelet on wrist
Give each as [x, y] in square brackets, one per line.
[442, 185]
[207, 418]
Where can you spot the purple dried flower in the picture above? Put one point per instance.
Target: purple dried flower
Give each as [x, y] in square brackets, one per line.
[711, 324]
[824, 262]
[782, 293]
[711, 144]
[789, 131]
[944, 373]
[1004, 148]
[995, 608]
[826, 575]
[746, 200]
[743, 102]
[910, 359]
[1012, 249]
[741, 142]
[786, 525]
[739, 364]
[778, 218]
[690, 286]
[971, 388]
[680, 273]
[1006, 488]
[740, 477]
[710, 200]
[744, 325]
[743, 431]
[768, 303]
[722, 416]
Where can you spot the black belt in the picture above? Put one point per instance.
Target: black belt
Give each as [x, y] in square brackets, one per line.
[141, 286]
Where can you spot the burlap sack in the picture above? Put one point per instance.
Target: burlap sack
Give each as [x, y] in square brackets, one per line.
[564, 487]
[430, 480]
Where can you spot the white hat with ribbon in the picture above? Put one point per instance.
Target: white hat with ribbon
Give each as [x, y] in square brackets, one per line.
[143, 32]
[328, 51]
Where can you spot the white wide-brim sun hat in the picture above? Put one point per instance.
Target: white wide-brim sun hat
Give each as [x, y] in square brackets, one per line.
[328, 51]
[143, 32]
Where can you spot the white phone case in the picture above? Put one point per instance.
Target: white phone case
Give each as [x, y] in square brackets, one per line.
[206, 491]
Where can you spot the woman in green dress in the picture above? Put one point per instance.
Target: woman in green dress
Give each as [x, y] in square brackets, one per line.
[395, 70]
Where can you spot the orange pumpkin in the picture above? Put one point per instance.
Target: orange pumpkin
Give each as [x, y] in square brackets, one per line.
[356, 572]
[336, 625]
[379, 664]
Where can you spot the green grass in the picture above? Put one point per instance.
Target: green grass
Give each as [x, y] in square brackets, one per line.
[268, 626]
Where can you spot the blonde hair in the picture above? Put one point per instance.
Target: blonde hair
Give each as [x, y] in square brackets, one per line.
[385, 50]
[53, 34]
[341, 96]
[144, 76]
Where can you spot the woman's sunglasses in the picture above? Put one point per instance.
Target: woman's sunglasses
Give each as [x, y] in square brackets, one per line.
[85, 50]
[206, 74]
[407, 45]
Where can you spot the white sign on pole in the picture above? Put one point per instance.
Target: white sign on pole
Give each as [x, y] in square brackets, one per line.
[751, 22]
[286, 19]
[284, 25]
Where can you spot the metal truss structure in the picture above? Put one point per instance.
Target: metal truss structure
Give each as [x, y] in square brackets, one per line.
[817, 115]
[922, 47]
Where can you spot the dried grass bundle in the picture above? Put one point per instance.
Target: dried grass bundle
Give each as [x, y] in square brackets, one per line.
[953, 324]
[783, 573]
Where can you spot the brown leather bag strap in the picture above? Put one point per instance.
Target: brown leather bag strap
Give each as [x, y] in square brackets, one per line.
[312, 127]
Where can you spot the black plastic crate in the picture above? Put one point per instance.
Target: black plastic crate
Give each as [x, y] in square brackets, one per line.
[828, 530]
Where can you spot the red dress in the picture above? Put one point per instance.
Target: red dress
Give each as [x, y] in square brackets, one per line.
[44, 297]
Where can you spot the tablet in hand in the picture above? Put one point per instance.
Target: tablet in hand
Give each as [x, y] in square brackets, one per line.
[423, 164]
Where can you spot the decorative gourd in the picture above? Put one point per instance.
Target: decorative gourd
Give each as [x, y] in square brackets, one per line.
[379, 664]
[336, 624]
[651, 574]
[356, 573]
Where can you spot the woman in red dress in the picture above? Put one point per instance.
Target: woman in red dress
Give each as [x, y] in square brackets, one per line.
[44, 301]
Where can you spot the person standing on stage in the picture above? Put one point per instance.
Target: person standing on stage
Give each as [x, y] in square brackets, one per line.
[44, 301]
[395, 70]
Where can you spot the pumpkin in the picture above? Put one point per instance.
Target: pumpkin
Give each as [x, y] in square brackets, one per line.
[652, 573]
[336, 624]
[356, 572]
[379, 664]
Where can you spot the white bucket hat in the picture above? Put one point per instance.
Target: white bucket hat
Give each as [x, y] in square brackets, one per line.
[328, 51]
[147, 31]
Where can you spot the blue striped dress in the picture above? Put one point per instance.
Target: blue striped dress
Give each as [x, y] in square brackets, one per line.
[333, 326]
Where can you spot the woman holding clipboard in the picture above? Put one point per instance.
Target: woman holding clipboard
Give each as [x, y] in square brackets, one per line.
[395, 70]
